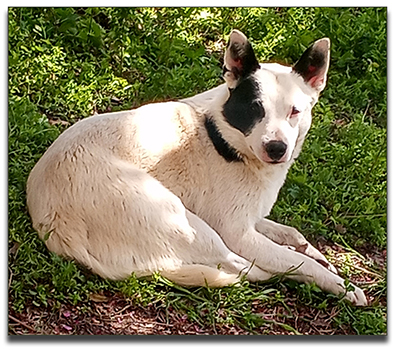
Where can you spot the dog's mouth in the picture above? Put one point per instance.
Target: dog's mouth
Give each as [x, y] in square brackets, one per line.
[275, 161]
[263, 156]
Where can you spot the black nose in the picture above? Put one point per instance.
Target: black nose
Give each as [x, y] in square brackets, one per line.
[276, 149]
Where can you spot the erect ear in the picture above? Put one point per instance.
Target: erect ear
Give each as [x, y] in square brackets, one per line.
[239, 59]
[314, 63]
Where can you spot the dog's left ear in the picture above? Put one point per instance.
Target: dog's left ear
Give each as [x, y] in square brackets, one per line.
[239, 59]
[314, 63]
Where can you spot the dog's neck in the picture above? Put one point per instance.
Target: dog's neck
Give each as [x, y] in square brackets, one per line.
[208, 106]
[227, 151]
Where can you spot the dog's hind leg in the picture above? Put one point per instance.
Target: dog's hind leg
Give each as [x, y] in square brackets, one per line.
[213, 261]
[286, 235]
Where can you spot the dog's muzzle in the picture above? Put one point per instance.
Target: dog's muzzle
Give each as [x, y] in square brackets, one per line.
[275, 150]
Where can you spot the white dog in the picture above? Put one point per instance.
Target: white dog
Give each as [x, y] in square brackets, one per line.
[182, 188]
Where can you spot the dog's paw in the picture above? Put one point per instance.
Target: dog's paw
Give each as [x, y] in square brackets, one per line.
[357, 297]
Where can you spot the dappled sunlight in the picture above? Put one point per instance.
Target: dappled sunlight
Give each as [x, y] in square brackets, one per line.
[157, 131]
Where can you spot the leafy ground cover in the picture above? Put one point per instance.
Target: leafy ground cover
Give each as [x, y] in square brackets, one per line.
[68, 63]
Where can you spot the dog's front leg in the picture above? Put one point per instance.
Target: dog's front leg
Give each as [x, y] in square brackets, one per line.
[277, 259]
[286, 235]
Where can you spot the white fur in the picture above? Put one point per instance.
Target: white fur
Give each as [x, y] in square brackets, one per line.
[144, 191]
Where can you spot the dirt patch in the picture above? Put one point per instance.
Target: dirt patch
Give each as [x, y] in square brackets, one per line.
[117, 316]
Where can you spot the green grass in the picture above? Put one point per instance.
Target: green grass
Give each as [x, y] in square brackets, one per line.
[65, 64]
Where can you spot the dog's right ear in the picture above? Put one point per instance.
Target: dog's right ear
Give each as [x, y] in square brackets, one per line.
[239, 59]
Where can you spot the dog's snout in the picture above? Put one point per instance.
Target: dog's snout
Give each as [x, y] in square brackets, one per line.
[276, 149]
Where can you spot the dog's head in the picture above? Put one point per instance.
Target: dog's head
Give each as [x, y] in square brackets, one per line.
[271, 104]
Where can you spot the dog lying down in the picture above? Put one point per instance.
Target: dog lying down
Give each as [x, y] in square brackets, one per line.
[183, 188]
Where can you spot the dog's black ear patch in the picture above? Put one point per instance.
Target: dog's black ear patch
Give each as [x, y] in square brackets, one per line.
[224, 149]
[240, 59]
[313, 64]
[244, 109]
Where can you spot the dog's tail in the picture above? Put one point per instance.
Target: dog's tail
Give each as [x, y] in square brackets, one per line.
[197, 275]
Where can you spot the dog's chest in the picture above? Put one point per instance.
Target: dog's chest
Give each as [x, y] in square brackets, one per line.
[215, 189]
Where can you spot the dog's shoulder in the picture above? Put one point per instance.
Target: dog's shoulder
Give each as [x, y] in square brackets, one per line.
[164, 123]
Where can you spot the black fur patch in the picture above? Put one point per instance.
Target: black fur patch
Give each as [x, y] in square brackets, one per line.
[221, 145]
[310, 63]
[246, 58]
[244, 109]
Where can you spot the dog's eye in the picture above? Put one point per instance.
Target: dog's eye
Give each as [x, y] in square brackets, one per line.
[295, 112]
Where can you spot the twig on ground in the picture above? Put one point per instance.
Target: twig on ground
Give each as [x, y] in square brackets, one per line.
[22, 323]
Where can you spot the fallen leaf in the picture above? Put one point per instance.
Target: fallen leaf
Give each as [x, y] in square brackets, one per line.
[68, 328]
[98, 298]
[340, 228]
[14, 248]
[58, 121]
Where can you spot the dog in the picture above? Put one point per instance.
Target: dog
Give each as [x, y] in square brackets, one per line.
[182, 188]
